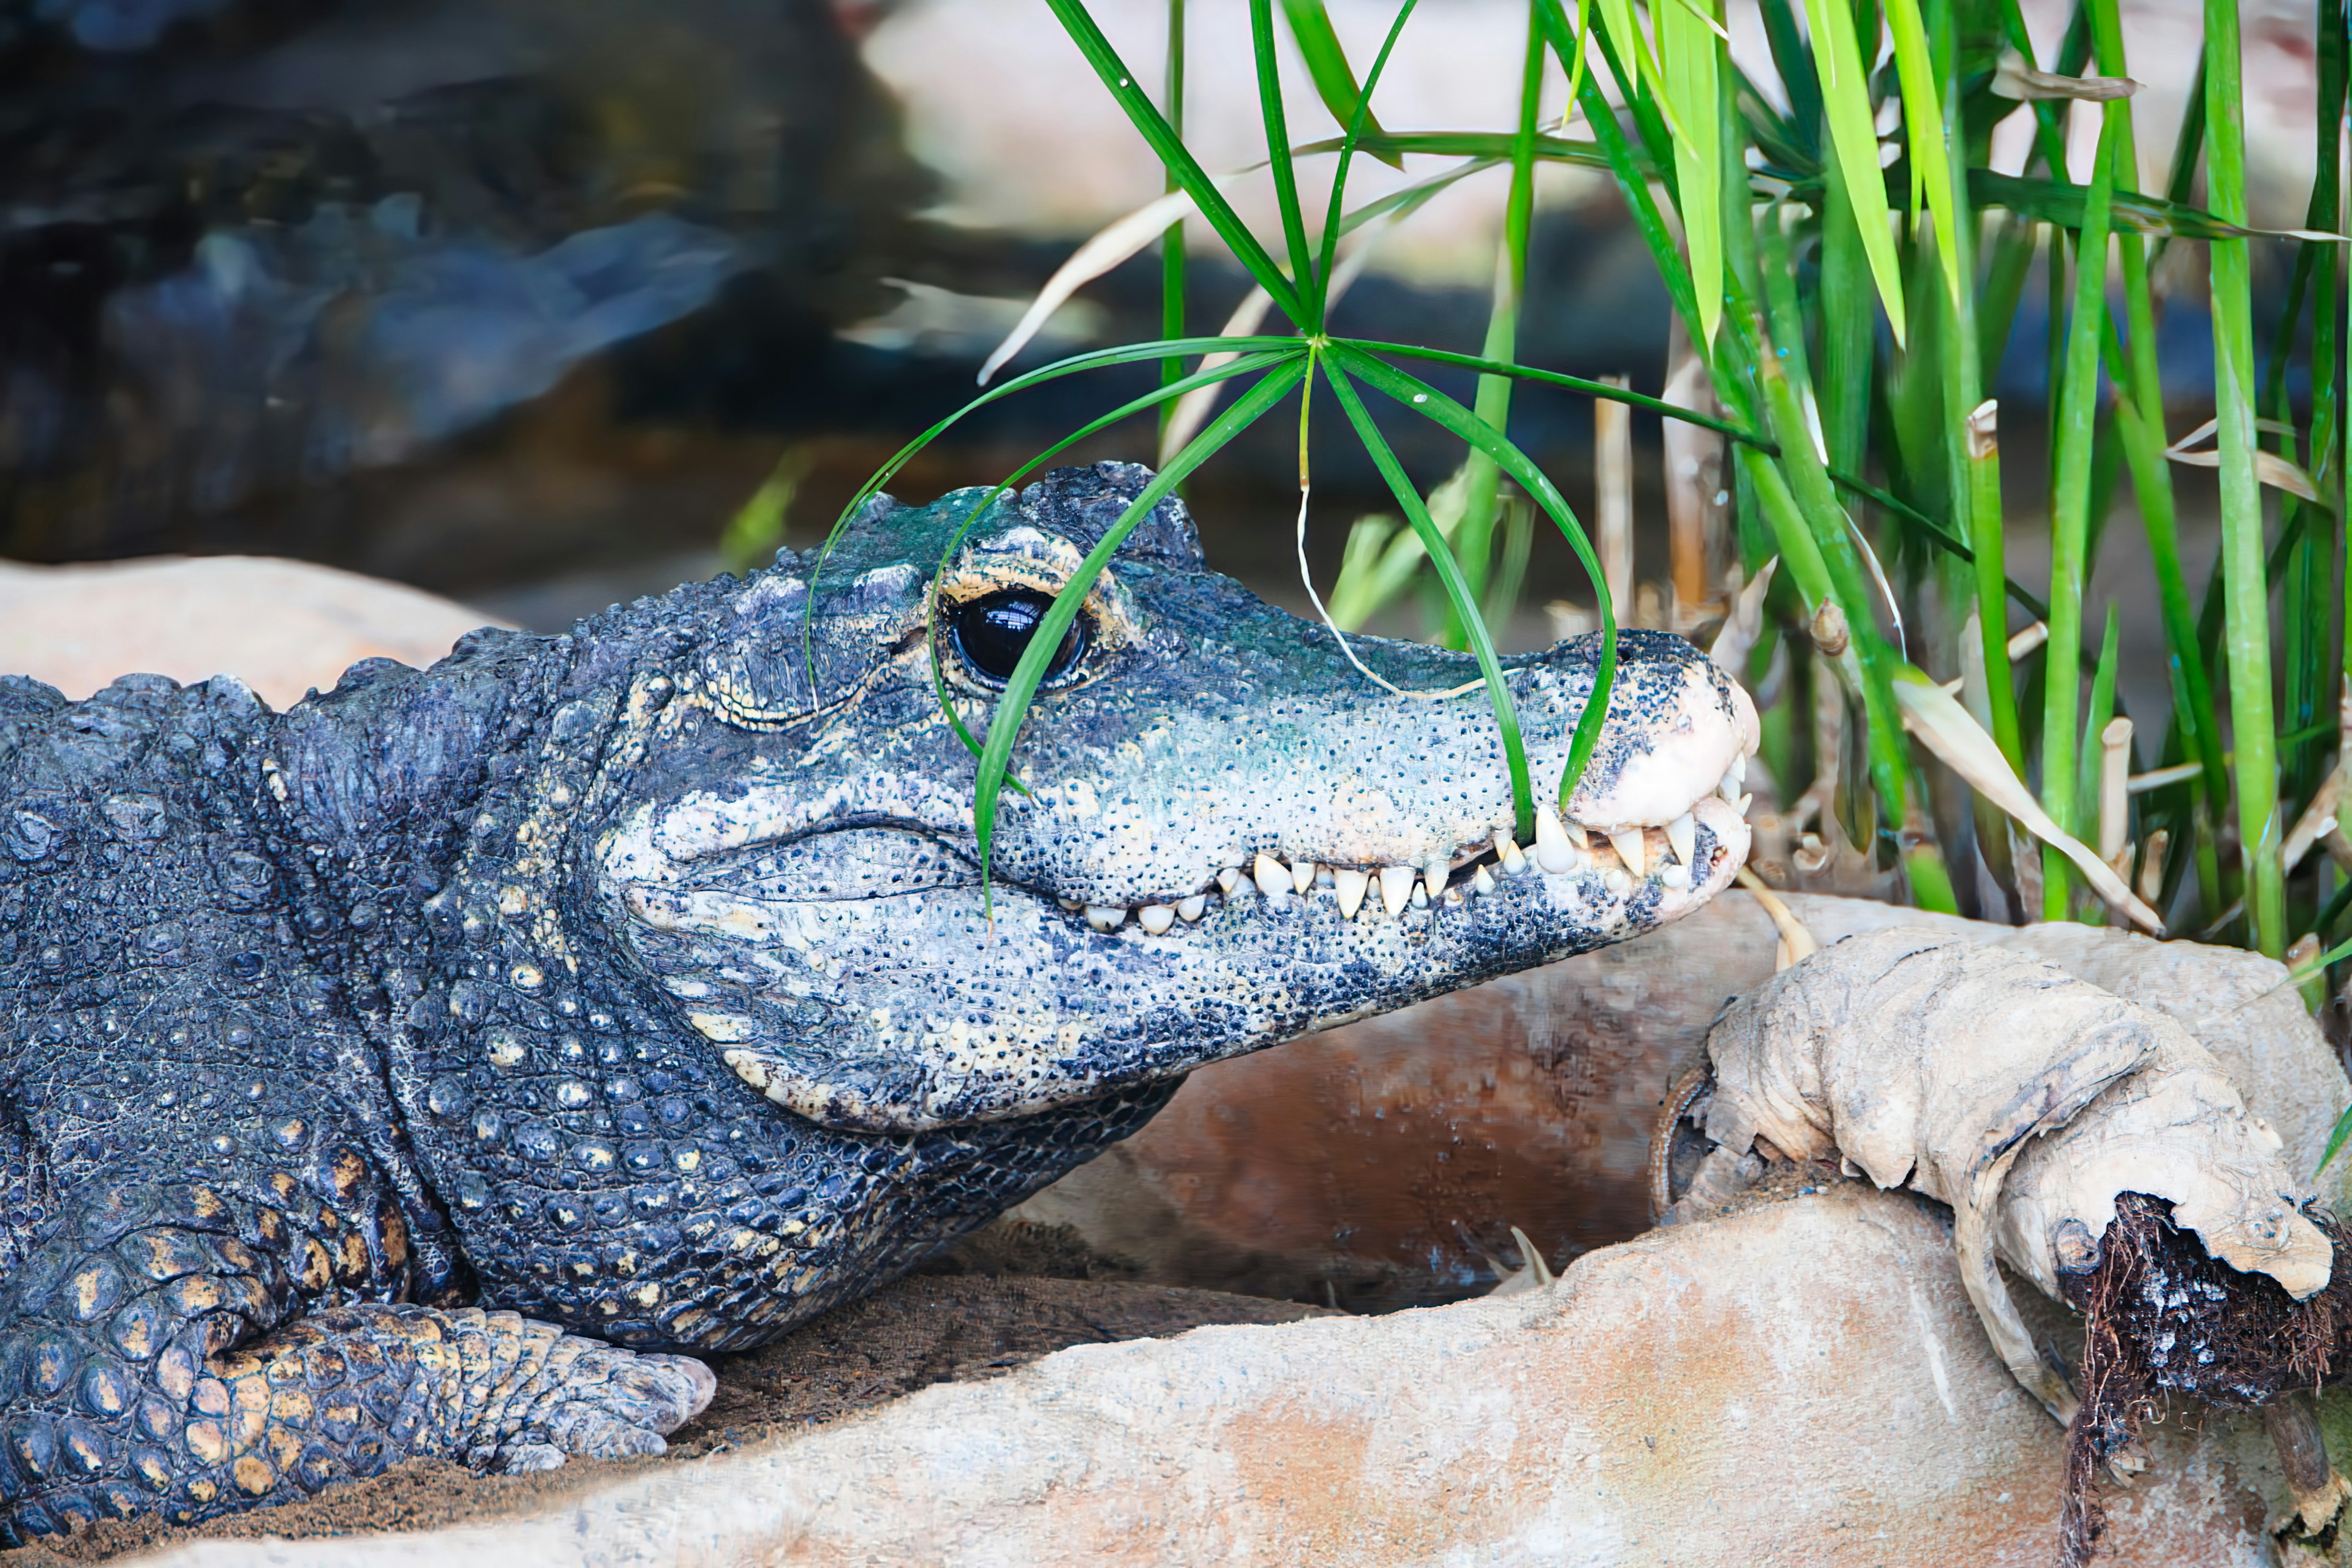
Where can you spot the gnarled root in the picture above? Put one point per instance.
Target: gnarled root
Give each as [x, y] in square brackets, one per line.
[2160, 1313]
[2093, 1145]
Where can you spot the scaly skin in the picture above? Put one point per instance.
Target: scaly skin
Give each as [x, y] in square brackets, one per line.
[358, 1063]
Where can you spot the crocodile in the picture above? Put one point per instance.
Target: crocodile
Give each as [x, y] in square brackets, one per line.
[444, 1065]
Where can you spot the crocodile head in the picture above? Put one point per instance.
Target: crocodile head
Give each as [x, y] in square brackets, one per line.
[1225, 835]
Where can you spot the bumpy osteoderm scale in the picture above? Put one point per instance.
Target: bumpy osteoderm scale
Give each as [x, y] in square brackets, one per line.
[642, 983]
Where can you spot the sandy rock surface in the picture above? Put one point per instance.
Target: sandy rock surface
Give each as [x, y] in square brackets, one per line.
[282, 626]
[1802, 1384]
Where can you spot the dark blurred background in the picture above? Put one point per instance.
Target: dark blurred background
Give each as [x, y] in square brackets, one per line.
[522, 300]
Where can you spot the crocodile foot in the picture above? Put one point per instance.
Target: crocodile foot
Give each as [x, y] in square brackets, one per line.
[342, 1394]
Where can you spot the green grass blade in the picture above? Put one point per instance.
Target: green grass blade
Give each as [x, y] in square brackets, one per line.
[2188, 146]
[1936, 533]
[1013, 705]
[1172, 244]
[1279, 158]
[1923, 118]
[1688, 47]
[1359, 119]
[2245, 587]
[1646, 94]
[1094, 359]
[2139, 424]
[1836, 568]
[1603, 389]
[1861, 188]
[2327, 336]
[2094, 745]
[1496, 146]
[1169, 149]
[2078, 404]
[2049, 119]
[2336, 1140]
[1457, 592]
[1418, 397]
[1790, 59]
[1327, 65]
[1632, 182]
[2061, 202]
[1473, 542]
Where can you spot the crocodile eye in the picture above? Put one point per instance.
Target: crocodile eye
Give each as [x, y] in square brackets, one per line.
[992, 633]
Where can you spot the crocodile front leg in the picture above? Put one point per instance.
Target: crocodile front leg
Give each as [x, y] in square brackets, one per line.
[179, 1348]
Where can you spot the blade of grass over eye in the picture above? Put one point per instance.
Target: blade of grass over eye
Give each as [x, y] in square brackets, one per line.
[1162, 397]
[1327, 68]
[2246, 592]
[1449, 576]
[1176, 158]
[1923, 119]
[1278, 146]
[1358, 121]
[1687, 46]
[1094, 359]
[2078, 399]
[1013, 705]
[1861, 187]
[1344, 362]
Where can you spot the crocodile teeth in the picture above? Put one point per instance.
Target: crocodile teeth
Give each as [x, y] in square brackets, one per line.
[1618, 883]
[1734, 779]
[1071, 906]
[1193, 908]
[1272, 879]
[1633, 848]
[1436, 873]
[1508, 851]
[1396, 887]
[1553, 851]
[1420, 896]
[1675, 876]
[1482, 881]
[1302, 876]
[1350, 884]
[1682, 833]
[1228, 879]
[1156, 918]
[1103, 918]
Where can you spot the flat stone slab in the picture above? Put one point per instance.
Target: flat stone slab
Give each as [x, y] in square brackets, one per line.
[1804, 1383]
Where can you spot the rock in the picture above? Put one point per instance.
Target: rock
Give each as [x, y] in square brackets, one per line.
[1802, 1384]
[1360, 1166]
[282, 626]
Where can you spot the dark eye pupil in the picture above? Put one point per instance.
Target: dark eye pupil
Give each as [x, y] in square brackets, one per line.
[994, 632]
